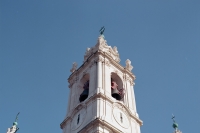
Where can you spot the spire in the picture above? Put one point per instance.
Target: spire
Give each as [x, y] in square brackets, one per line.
[14, 128]
[175, 125]
[102, 31]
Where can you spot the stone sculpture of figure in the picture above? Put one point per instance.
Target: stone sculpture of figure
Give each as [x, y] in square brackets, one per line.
[87, 51]
[115, 49]
[74, 67]
[128, 65]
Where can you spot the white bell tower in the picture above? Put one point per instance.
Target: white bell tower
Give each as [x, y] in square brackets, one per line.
[101, 98]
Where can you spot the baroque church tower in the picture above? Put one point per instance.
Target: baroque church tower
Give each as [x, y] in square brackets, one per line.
[101, 98]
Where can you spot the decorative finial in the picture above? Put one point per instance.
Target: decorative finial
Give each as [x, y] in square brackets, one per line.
[175, 125]
[14, 128]
[128, 65]
[74, 67]
[102, 30]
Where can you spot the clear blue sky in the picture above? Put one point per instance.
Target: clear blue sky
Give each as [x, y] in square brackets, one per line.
[40, 39]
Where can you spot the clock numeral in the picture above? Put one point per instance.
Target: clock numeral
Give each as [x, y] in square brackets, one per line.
[78, 119]
[121, 117]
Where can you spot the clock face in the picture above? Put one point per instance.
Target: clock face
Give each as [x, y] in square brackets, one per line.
[78, 119]
[121, 117]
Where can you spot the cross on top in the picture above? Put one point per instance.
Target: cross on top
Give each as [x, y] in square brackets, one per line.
[173, 118]
[102, 30]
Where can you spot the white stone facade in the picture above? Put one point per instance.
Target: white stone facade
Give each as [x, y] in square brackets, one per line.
[100, 112]
[177, 131]
[13, 129]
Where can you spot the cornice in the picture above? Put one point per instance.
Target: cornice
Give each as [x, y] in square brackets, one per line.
[103, 96]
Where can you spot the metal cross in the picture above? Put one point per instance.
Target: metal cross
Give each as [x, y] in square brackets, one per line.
[173, 118]
[102, 30]
[16, 117]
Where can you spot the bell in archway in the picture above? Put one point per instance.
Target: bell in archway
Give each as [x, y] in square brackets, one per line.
[84, 95]
[116, 94]
[85, 92]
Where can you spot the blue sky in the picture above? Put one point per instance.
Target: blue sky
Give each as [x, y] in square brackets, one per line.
[39, 41]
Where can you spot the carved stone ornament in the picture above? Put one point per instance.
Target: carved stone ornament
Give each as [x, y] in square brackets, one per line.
[128, 65]
[115, 49]
[99, 59]
[71, 82]
[74, 67]
[107, 62]
[177, 131]
[103, 46]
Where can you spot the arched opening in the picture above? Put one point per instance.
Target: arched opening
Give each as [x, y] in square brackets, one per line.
[84, 87]
[117, 90]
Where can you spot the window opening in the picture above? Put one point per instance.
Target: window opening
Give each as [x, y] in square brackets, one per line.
[85, 92]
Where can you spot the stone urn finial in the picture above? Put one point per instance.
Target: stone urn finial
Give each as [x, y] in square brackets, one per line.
[128, 65]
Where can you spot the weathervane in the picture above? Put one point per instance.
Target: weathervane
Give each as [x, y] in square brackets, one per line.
[102, 30]
[175, 125]
[16, 117]
[173, 118]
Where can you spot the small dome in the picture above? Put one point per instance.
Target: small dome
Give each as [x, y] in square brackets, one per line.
[175, 125]
[15, 123]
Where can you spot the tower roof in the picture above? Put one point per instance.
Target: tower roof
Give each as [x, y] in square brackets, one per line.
[102, 46]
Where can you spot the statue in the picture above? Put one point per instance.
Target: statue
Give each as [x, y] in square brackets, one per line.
[115, 49]
[128, 65]
[74, 67]
[14, 128]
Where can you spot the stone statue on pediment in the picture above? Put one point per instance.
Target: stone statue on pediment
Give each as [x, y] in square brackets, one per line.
[74, 67]
[128, 65]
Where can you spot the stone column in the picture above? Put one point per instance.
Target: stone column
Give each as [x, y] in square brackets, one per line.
[133, 98]
[99, 74]
[107, 79]
[93, 77]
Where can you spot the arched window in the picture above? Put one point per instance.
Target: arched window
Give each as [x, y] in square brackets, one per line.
[84, 84]
[117, 90]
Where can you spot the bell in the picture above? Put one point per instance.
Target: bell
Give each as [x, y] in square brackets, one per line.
[116, 94]
[84, 95]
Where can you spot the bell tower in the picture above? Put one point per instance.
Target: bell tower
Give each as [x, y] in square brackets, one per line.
[101, 98]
